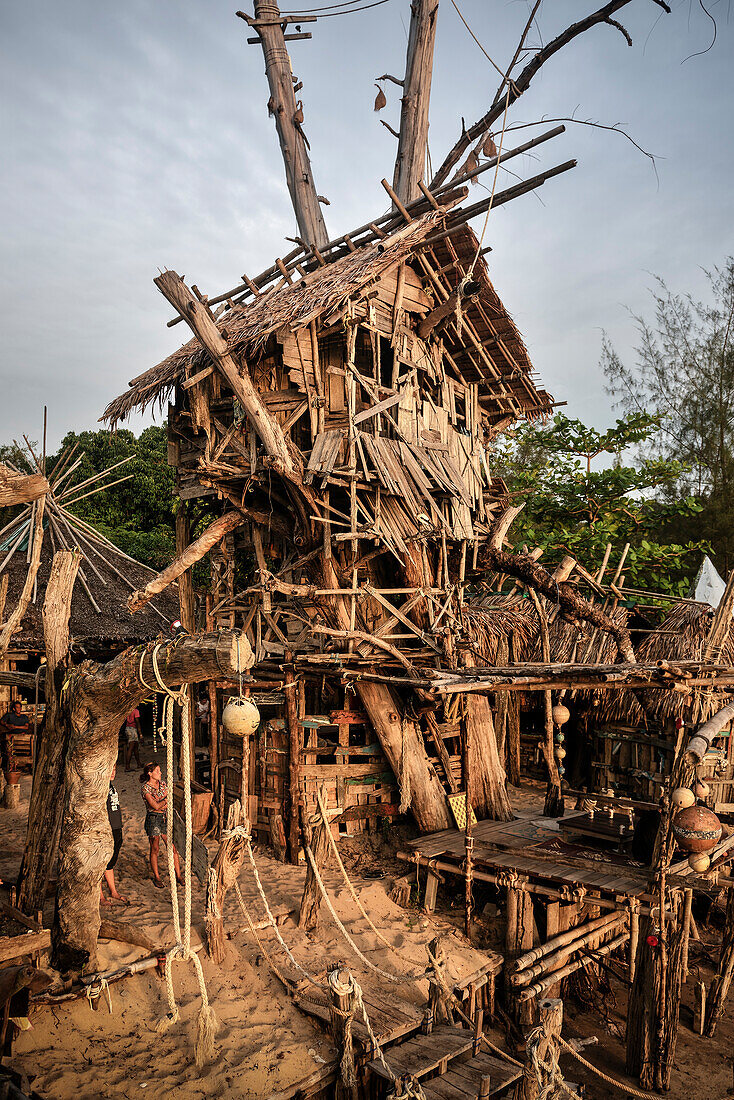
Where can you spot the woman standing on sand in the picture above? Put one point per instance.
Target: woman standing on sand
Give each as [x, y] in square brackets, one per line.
[155, 797]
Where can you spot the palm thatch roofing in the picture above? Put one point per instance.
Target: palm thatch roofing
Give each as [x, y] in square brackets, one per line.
[95, 628]
[328, 290]
[682, 635]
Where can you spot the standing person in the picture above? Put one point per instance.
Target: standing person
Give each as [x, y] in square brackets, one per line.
[133, 736]
[202, 713]
[12, 722]
[114, 814]
[155, 797]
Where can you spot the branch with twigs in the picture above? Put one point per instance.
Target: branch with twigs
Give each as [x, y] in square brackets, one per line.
[520, 84]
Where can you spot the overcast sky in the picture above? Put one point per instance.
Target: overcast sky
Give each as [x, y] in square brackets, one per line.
[136, 137]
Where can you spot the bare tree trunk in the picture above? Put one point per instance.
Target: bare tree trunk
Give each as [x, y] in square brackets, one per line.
[488, 780]
[413, 141]
[44, 811]
[187, 555]
[288, 123]
[96, 700]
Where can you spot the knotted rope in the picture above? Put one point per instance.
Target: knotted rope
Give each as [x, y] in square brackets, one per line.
[95, 990]
[207, 1024]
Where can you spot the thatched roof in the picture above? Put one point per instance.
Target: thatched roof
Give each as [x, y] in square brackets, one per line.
[327, 290]
[94, 631]
[681, 636]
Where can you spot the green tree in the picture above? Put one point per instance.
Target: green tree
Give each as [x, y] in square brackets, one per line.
[684, 374]
[580, 495]
[137, 514]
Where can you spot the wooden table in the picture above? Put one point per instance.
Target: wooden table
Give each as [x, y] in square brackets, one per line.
[617, 829]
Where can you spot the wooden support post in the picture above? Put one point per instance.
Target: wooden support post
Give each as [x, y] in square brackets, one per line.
[295, 745]
[468, 837]
[186, 606]
[213, 710]
[550, 1012]
[413, 140]
[719, 988]
[432, 880]
[686, 917]
[288, 122]
[342, 1011]
[226, 868]
[47, 794]
[317, 838]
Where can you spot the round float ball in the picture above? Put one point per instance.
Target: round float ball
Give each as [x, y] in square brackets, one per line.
[559, 738]
[682, 797]
[560, 753]
[240, 717]
[699, 863]
[652, 941]
[701, 789]
[696, 829]
[561, 770]
[560, 714]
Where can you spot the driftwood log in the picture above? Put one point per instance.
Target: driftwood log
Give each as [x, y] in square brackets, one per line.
[194, 552]
[47, 794]
[18, 488]
[94, 703]
[224, 872]
[573, 607]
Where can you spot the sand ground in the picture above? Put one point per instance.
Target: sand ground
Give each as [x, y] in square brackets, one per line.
[264, 1043]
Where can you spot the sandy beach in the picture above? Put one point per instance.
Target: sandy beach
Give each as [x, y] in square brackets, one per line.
[264, 1043]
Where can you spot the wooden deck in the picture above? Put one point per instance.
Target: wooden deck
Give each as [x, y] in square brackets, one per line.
[446, 1066]
[522, 846]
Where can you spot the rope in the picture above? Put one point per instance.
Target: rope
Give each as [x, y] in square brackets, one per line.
[629, 1089]
[207, 1024]
[383, 940]
[95, 990]
[260, 944]
[271, 918]
[399, 979]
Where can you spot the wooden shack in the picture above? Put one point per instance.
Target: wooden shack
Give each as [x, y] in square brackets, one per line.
[382, 370]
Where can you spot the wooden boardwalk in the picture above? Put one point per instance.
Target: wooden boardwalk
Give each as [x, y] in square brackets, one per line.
[521, 846]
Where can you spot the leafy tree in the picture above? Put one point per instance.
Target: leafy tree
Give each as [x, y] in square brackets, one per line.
[137, 514]
[684, 374]
[579, 500]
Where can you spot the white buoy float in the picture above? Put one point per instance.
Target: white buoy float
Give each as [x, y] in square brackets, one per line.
[240, 717]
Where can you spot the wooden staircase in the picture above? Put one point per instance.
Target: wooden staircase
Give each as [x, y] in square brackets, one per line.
[450, 1063]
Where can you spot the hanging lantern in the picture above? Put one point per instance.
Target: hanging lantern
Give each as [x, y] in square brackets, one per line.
[240, 717]
[701, 789]
[560, 714]
[699, 863]
[682, 798]
[696, 829]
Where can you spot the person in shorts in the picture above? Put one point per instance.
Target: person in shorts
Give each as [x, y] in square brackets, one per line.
[114, 814]
[155, 797]
[133, 736]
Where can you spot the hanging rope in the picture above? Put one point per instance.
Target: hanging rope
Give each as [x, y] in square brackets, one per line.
[271, 918]
[418, 975]
[398, 979]
[207, 1024]
[404, 780]
[95, 990]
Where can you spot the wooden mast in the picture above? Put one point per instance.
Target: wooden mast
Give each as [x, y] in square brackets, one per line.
[413, 140]
[299, 175]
